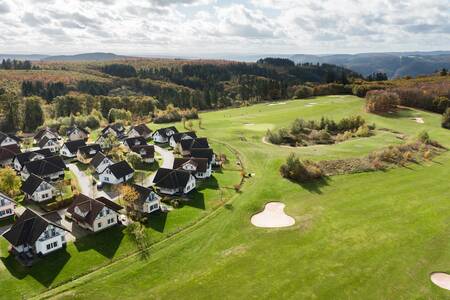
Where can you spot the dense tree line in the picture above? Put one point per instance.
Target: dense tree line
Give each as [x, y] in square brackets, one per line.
[20, 114]
[119, 70]
[47, 91]
[13, 64]
[377, 76]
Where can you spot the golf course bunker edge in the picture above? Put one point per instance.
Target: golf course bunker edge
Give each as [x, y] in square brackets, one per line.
[273, 216]
[441, 279]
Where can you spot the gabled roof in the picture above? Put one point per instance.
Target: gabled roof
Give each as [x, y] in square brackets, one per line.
[43, 141]
[120, 169]
[198, 143]
[163, 131]
[73, 128]
[46, 166]
[98, 158]
[73, 146]
[149, 150]
[42, 132]
[142, 129]
[31, 184]
[177, 137]
[29, 227]
[200, 163]
[86, 149]
[133, 140]
[9, 152]
[5, 197]
[117, 127]
[3, 136]
[143, 192]
[90, 208]
[25, 157]
[171, 179]
[202, 153]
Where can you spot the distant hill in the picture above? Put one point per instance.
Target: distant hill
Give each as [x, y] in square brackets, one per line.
[96, 56]
[393, 64]
[32, 57]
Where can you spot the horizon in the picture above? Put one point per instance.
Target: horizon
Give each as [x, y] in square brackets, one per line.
[214, 27]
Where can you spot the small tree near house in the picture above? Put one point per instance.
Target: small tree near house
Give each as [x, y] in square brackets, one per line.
[9, 182]
[130, 199]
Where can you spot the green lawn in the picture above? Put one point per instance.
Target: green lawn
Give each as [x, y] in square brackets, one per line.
[373, 235]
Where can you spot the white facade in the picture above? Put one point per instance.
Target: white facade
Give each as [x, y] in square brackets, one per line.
[53, 238]
[44, 192]
[6, 207]
[77, 134]
[152, 203]
[103, 165]
[18, 166]
[105, 219]
[133, 133]
[51, 145]
[65, 152]
[143, 153]
[158, 138]
[108, 177]
[190, 185]
[50, 135]
[8, 141]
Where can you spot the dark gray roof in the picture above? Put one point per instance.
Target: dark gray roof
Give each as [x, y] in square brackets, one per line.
[142, 129]
[149, 150]
[3, 136]
[42, 142]
[97, 159]
[171, 179]
[41, 133]
[143, 192]
[31, 184]
[177, 137]
[25, 157]
[46, 166]
[9, 152]
[85, 150]
[73, 146]
[198, 143]
[120, 169]
[117, 127]
[202, 153]
[29, 227]
[73, 128]
[91, 207]
[200, 163]
[163, 131]
[135, 141]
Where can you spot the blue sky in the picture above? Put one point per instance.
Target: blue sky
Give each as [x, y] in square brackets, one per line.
[209, 27]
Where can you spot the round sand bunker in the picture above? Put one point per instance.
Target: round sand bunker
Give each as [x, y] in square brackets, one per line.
[273, 216]
[441, 280]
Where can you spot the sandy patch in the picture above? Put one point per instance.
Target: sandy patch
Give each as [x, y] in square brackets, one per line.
[441, 280]
[419, 120]
[273, 216]
[280, 103]
[249, 124]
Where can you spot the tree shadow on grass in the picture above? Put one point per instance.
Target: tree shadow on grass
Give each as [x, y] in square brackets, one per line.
[105, 242]
[45, 270]
[157, 221]
[403, 112]
[196, 200]
[314, 186]
[208, 183]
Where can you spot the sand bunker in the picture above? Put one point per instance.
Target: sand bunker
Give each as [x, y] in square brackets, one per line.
[273, 216]
[280, 103]
[441, 280]
[419, 120]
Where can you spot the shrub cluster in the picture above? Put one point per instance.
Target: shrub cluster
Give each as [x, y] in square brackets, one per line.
[62, 124]
[300, 171]
[446, 119]
[302, 132]
[174, 114]
[380, 101]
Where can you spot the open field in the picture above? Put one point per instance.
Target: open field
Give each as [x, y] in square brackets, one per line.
[364, 236]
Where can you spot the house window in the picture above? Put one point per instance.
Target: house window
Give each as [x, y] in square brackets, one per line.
[49, 246]
[55, 244]
[99, 225]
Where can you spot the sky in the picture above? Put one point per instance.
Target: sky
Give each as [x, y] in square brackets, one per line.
[209, 27]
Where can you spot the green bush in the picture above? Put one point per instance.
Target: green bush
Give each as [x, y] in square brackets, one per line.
[446, 119]
[300, 171]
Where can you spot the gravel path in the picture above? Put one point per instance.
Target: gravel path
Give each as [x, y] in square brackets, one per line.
[167, 158]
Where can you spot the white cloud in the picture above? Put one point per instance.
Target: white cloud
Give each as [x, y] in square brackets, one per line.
[192, 27]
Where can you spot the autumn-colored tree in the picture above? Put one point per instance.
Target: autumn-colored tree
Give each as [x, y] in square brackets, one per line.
[379, 101]
[130, 199]
[9, 182]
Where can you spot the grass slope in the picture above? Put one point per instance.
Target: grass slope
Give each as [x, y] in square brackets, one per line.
[372, 235]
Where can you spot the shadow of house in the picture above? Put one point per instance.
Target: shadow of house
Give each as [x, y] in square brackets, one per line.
[105, 242]
[44, 271]
[196, 200]
[314, 186]
[209, 183]
[157, 221]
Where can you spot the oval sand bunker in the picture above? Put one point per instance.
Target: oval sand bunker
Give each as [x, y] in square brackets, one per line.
[273, 216]
[441, 280]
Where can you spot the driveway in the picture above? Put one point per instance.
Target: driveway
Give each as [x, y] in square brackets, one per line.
[87, 186]
[167, 163]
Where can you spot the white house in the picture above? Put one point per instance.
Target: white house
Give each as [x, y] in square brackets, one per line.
[94, 214]
[7, 154]
[140, 130]
[50, 168]
[33, 234]
[117, 173]
[172, 182]
[86, 153]
[37, 189]
[7, 140]
[147, 152]
[149, 200]
[186, 146]
[100, 161]
[50, 144]
[162, 135]
[70, 148]
[134, 141]
[22, 158]
[177, 137]
[199, 167]
[46, 132]
[7, 206]
[75, 133]
[207, 153]
[117, 129]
